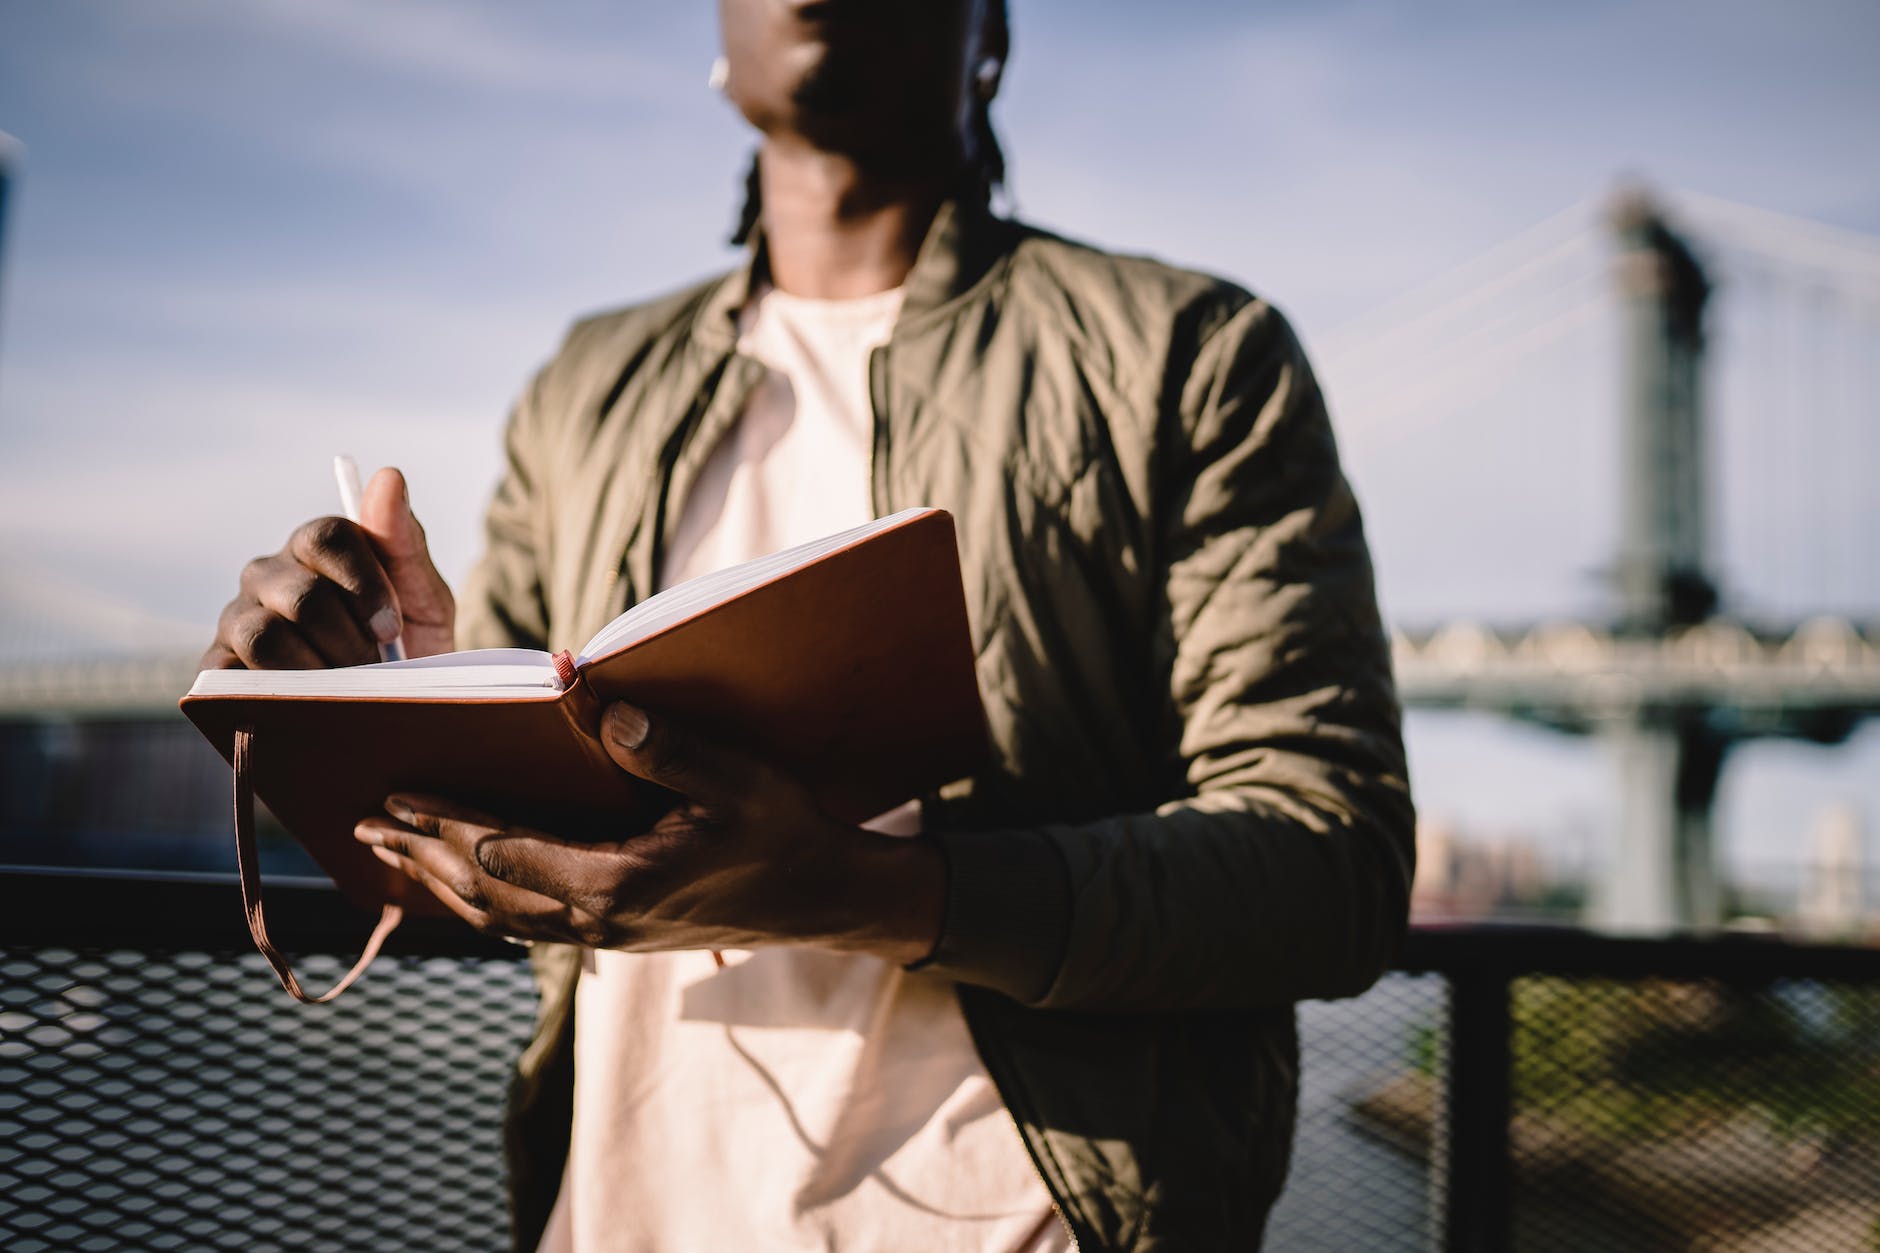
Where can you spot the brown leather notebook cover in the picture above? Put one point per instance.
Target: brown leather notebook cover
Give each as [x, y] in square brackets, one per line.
[854, 671]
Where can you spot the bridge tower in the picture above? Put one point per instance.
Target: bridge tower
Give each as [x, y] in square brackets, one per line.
[1668, 758]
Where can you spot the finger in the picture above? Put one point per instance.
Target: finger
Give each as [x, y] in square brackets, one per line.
[478, 898]
[423, 597]
[320, 612]
[555, 879]
[219, 657]
[422, 851]
[482, 920]
[263, 640]
[440, 889]
[698, 768]
[585, 876]
[563, 873]
[430, 814]
[340, 551]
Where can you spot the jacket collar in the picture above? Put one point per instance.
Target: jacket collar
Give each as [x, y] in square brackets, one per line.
[962, 244]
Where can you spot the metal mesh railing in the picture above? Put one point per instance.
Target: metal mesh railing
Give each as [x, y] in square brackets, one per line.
[1360, 1177]
[175, 1102]
[1659, 1114]
[1647, 1115]
[1534, 1091]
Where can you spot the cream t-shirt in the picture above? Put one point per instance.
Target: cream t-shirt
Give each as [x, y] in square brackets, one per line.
[796, 1098]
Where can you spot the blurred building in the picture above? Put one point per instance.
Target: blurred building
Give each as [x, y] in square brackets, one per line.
[1463, 878]
[1832, 904]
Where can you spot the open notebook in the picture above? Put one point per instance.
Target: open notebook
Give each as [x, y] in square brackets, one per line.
[495, 673]
[846, 661]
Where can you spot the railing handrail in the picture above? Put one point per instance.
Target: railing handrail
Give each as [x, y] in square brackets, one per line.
[1496, 951]
[179, 911]
[83, 907]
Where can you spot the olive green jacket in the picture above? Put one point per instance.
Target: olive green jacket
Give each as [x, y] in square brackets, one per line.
[1196, 811]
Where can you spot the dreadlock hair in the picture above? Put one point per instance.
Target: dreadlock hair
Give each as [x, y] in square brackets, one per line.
[753, 205]
[984, 175]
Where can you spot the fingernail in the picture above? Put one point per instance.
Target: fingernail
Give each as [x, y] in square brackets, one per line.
[627, 726]
[385, 625]
[398, 809]
[367, 835]
[385, 855]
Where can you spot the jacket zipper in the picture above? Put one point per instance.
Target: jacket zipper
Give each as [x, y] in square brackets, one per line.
[878, 501]
[1057, 1211]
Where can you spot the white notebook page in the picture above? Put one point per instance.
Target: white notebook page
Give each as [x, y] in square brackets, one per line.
[495, 673]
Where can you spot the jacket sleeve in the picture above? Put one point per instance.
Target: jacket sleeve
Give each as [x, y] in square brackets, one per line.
[1284, 872]
[502, 603]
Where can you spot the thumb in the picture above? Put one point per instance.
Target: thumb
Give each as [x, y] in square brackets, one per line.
[385, 513]
[424, 600]
[699, 769]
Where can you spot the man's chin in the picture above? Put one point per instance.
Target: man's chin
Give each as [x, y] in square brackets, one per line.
[830, 91]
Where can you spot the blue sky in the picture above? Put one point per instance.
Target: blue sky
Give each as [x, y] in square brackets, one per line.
[246, 234]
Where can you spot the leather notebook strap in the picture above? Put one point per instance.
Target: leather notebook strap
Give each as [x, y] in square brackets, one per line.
[250, 867]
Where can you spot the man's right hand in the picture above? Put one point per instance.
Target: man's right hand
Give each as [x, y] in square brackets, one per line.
[337, 590]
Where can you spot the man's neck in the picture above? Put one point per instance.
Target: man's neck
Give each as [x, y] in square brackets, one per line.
[834, 231]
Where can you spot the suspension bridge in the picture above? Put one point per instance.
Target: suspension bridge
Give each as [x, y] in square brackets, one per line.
[1738, 351]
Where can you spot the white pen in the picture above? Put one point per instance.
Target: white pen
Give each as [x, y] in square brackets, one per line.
[346, 471]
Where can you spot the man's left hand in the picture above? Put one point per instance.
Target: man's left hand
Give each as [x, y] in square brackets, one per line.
[744, 860]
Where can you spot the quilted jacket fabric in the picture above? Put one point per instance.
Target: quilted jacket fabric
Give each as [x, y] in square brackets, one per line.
[1197, 810]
